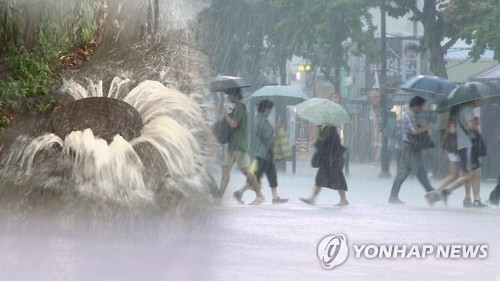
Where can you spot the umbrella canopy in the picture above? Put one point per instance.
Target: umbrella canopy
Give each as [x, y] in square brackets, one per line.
[477, 92]
[288, 95]
[323, 112]
[224, 83]
[428, 86]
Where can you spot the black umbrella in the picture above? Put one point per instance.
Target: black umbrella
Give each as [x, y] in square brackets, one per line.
[477, 92]
[428, 86]
[224, 83]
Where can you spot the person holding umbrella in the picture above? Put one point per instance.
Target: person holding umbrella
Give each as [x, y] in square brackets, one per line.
[465, 97]
[411, 159]
[330, 159]
[327, 115]
[467, 136]
[237, 147]
[262, 138]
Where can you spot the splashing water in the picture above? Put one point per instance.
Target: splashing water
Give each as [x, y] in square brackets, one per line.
[167, 157]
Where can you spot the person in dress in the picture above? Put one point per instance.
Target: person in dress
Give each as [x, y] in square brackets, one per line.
[330, 159]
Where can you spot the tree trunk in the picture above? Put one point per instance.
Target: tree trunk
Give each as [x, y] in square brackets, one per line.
[282, 68]
[433, 35]
[282, 57]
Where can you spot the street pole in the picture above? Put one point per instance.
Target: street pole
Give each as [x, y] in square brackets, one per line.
[384, 155]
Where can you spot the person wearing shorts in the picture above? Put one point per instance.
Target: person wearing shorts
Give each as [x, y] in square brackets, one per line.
[237, 148]
[453, 159]
[467, 126]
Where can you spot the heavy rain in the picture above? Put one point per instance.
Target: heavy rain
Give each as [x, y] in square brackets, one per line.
[249, 140]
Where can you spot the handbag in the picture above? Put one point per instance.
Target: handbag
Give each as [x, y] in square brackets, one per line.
[222, 131]
[479, 146]
[421, 141]
[450, 142]
[282, 149]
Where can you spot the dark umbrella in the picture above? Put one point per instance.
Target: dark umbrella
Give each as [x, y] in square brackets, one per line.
[224, 83]
[477, 92]
[428, 86]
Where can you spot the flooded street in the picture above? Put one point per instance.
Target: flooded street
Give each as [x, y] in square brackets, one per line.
[267, 242]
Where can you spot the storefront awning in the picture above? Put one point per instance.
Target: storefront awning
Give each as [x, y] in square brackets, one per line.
[490, 75]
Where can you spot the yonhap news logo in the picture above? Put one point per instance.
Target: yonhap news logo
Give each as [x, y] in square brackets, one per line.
[333, 250]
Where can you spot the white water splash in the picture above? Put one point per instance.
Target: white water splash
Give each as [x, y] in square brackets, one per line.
[172, 124]
[109, 171]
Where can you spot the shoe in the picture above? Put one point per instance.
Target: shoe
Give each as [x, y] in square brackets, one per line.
[342, 204]
[237, 195]
[478, 204]
[431, 197]
[280, 200]
[443, 195]
[307, 201]
[468, 203]
[257, 202]
[395, 201]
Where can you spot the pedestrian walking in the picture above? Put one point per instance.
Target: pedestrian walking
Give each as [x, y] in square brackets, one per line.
[330, 161]
[411, 156]
[262, 138]
[470, 149]
[237, 148]
[451, 147]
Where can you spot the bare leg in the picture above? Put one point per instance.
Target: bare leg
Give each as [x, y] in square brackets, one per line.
[239, 193]
[475, 183]
[452, 175]
[315, 193]
[274, 191]
[460, 181]
[343, 198]
[226, 172]
[252, 179]
[467, 191]
[312, 198]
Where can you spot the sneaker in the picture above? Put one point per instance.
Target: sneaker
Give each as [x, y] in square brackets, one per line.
[468, 203]
[395, 201]
[478, 204]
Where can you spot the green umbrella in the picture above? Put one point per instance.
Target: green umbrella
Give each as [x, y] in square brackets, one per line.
[323, 112]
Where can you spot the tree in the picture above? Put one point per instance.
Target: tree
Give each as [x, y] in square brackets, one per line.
[431, 17]
[317, 30]
[339, 23]
[477, 23]
[474, 21]
[234, 33]
[247, 35]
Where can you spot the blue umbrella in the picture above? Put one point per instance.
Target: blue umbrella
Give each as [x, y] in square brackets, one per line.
[428, 86]
[280, 94]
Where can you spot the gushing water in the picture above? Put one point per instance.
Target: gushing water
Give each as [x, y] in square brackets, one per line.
[167, 157]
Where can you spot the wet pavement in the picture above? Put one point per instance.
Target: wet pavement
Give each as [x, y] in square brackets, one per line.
[269, 242]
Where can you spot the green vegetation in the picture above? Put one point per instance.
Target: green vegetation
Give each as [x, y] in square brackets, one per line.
[34, 38]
